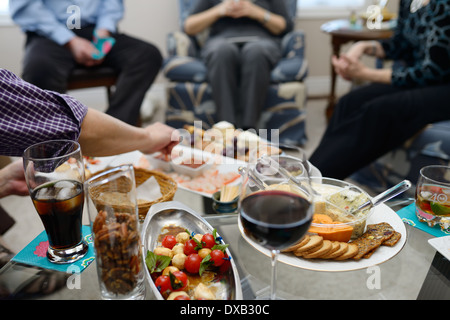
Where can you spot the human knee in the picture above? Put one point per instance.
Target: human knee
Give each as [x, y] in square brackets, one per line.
[254, 53]
[223, 52]
[148, 56]
[155, 55]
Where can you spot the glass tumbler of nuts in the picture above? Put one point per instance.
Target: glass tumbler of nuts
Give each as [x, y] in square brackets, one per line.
[113, 213]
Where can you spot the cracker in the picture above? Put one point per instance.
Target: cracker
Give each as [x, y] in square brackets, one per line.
[389, 243]
[302, 242]
[314, 241]
[393, 240]
[319, 251]
[369, 254]
[374, 236]
[352, 250]
[341, 249]
[335, 245]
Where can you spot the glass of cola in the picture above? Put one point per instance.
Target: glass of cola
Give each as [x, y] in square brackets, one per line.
[54, 172]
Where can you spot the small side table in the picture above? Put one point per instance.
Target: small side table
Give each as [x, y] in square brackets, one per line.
[341, 32]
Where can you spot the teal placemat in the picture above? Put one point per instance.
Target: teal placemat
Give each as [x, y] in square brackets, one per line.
[35, 254]
[408, 215]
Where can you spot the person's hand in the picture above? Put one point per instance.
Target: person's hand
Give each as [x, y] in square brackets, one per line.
[103, 33]
[12, 180]
[242, 9]
[239, 9]
[348, 68]
[225, 8]
[163, 138]
[82, 51]
[356, 51]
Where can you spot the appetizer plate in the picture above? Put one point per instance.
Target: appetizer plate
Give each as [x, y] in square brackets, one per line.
[114, 161]
[223, 165]
[382, 213]
[176, 213]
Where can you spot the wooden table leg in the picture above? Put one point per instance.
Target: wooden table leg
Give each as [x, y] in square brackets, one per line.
[336, 43]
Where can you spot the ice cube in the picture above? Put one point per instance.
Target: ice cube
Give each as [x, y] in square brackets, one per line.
[64, 193]
[63, 184]
[45, 193]
[426, 194]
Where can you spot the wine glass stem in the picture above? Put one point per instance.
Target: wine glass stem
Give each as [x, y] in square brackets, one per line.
[273, 282]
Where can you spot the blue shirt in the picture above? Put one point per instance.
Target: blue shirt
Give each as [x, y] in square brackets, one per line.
[54, 19]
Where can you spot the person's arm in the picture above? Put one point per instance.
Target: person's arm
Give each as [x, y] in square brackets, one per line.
[34, 16]
[31, 115]
[370, 48]
[103, 135]
[110, 13]
[203, 17]
[353, 69]
[202, 20]
[275, 23]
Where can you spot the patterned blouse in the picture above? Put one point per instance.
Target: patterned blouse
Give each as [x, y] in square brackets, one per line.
[422, 42]
[29, 115]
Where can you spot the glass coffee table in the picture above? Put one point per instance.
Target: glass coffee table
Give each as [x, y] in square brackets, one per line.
[414, 271]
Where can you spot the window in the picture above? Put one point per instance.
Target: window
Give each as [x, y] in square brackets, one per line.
[5, 20]
[4, 7]
[331, 3]
[330, 8]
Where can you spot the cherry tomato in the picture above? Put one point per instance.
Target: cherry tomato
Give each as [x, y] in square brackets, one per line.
[163, 283]
[192, 263]
[169, 241]
[217, 257]
[208, 241]
[182, 297]
[180, 282]
[189, 247]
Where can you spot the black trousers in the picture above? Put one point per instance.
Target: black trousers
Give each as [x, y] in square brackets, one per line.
[372, 120]
[48, 65]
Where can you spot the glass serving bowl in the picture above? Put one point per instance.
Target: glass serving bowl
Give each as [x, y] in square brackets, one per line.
[332, 220]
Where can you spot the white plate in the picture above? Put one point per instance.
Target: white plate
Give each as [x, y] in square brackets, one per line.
[222, 164]
[114, 161]
[441, 244]
[382, 213]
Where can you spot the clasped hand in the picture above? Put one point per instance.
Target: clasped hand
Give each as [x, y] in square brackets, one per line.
[347, 67]
[238, 9]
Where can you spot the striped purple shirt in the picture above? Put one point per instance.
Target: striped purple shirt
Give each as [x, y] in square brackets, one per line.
[29, 115]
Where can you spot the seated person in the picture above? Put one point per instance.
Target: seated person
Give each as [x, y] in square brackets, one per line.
[54, 48]
[400, 101]
[244, 45]
[30, 115]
